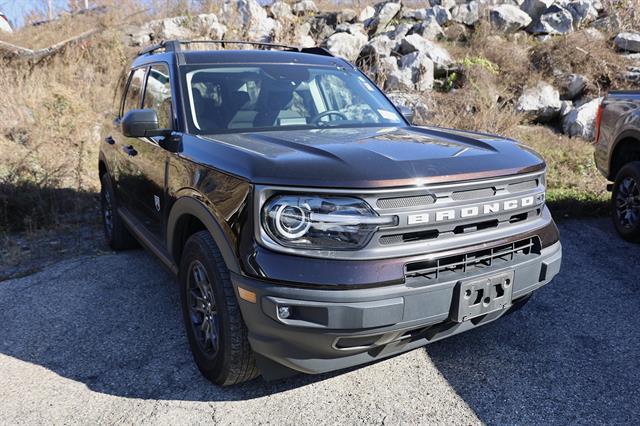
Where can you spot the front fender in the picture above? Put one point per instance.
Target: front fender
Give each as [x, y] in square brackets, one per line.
[186, 205]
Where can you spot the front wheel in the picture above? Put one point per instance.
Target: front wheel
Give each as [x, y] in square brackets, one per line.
[215, 329]
[625, 202]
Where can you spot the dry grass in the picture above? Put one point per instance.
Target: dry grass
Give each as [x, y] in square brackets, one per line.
[49, 139]
[574, 186]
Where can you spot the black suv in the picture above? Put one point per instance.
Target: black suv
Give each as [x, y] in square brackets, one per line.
[310, 225]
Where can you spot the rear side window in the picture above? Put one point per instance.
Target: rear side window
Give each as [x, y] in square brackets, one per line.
[158, 94]
[133, 97]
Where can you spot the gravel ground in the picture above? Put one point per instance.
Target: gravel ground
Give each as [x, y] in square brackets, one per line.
[99, 340]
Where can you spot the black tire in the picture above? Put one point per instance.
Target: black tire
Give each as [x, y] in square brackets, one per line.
[115, 231]
[625, 202]
[225, 358]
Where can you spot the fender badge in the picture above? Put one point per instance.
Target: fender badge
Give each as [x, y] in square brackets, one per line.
[156, 201]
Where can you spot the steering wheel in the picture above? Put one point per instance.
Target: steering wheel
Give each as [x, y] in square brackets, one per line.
[316, 119]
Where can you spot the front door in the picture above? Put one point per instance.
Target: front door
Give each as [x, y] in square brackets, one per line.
[149, 161]
[124, 173]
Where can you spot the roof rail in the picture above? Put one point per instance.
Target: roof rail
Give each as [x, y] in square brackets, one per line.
[176, 46]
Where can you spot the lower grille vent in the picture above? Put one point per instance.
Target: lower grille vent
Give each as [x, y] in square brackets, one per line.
[473, 262]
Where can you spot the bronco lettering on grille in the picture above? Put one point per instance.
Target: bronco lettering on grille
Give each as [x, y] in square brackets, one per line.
[465, 212]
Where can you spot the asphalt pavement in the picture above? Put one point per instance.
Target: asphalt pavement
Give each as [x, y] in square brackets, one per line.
[100, 339]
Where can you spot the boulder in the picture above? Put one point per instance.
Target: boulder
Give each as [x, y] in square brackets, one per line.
[347, 15]
[304, 7]
[136, 35]
[415, 42]
[447, 4]
[582, 12]
[539, 103]
[554, 20]
[366, 14]
[372, 54]
[422, 70]
[350, 28]
[323, 24]
[629, 41]
[5, 27]
[381, 45]
[581, 121]
[632, 75]
[441, 14]
[467, 13]
[249, 15]
[346, 45]
[565, 108]
[305, 40]
[609, 23]
[385, 12]
[281, 11]
[400, 31]
[172, 28]
[535, 8]
[571, 85]
[508, 18]
[428, 29]
[398, 79]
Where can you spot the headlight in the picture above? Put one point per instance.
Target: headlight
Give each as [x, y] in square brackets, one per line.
[321, 223]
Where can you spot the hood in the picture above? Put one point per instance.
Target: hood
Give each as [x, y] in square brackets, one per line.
[364, 157]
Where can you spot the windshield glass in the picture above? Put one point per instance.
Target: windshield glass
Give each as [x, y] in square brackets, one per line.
[276, 97]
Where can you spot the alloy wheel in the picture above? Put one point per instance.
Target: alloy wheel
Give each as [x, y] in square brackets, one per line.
[628, 203]
[203, 311]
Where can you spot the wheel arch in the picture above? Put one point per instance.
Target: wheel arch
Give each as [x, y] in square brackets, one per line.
[189, 215]
[625, 150]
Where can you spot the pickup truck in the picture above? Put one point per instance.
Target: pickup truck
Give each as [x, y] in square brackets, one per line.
[617, 156]
[310, 225]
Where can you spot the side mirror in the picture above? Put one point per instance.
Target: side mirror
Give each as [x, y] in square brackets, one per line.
[407, 113]
[140, 123]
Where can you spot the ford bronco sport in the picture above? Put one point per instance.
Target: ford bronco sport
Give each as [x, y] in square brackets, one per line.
[310, 225]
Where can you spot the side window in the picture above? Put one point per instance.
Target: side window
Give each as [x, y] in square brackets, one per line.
[134, 91]
[158, 94]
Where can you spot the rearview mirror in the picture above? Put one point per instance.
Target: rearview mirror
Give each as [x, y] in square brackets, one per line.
[407, 113]
[140, 123]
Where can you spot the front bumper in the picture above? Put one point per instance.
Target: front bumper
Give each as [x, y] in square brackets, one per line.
[331, 329]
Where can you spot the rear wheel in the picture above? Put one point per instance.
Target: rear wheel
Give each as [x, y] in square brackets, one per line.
[215, 329]
[625, 202]
[116, 233]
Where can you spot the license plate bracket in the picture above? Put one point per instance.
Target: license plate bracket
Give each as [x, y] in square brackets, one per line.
[480, 296]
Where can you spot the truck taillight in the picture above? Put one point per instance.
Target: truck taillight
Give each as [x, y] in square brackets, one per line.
[599, 120]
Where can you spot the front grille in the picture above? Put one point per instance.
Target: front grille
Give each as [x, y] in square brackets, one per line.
[445, 212]
[473, 194]
[405, 202]
[522, 186]
[474, 261]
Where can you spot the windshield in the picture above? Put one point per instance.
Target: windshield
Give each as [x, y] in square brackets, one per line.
[276, 97]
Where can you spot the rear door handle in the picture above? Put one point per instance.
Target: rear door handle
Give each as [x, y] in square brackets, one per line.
[110, 140]
[129, 149]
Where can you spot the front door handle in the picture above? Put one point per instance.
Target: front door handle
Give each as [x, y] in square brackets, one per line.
[110, 140]
[130, 150]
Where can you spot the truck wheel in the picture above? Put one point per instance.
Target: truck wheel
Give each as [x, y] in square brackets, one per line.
[625, 201]
[215, 329]
[117, 235]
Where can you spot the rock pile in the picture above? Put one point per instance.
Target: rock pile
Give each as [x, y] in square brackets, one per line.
[404, 48]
